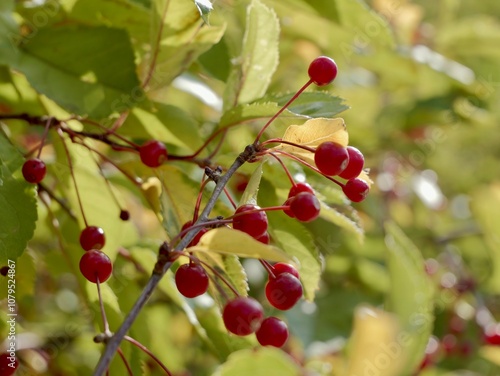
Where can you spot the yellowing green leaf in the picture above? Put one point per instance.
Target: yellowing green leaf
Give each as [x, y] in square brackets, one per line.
[234, 242]
[263, 361]
[252, 189]
[341, 220]
[411, 294]
[376, 343]
[312, 133]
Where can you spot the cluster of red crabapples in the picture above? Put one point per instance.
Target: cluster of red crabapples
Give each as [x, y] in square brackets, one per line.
[241, 315]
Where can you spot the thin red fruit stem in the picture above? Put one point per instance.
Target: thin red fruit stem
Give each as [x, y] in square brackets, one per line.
[228, 195]
[284, 168]
[219, 145]
[314, 168]
[103, 312]
[218, 286]
[88, 121]
[72, 173]
[281, 110]
[118, 123]
[269, 268]
[203, 184]
[281, 141]
[129, 370]
[147, 351]
[125, 173]
[108, 184]
[208, 141]
[220, 276]
[44, 136]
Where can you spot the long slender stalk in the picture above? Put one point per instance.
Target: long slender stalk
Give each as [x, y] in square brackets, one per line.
[117, 338]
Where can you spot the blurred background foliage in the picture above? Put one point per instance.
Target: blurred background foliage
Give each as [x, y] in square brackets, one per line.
[420, 79]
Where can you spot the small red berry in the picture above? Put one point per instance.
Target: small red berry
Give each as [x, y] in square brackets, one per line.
[288, 211]
[191, 280]
[243, 316]
[355, 165]
[92, 237]
[331, 158]
[281, 267]
[283, 291]
[34, 170]
[254, 224]
[356, 189]
[305, 207]
[153, 153]
[492, 334]
[265, 239]
[322, 70]
[8, 364]
[299, 188]
[95, 264]
[272, 332]
[197, 237]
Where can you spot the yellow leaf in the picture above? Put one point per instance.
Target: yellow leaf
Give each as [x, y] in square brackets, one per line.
[235, 242]
[378, 346]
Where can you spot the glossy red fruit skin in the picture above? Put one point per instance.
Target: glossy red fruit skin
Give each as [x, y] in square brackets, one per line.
[34, 170]
[288, 211]
[243, 316]
[272, 332]
[264, 239]
[96, 264]
[355, 165]
[281, 267]
[153, 153]
[197, 237]
[299, 188]
[322, 70]
[331, 158]
[305, 207]
[191, 280]
[5, 362]
[254, 224]
[284, 291]
[356, 189]
[92, 237]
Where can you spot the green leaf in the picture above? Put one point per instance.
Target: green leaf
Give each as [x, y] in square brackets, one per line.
[24, 272]
[252, 74]
[88, 71]
[258, 111]
[17, 200]
[294, 239]
[178, 195]
[312, 104]
[223, 240]
[121, 14]
[250, 194]
[334, 216]
[411, 294]
[179, 37]
[230, 267]
[167, 123]
[9, 33]
[486, 206]
[259, 362]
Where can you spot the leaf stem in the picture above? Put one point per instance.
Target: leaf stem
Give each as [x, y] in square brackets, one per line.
[281, 110]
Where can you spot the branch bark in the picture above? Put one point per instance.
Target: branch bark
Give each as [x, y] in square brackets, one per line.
[114, 342]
